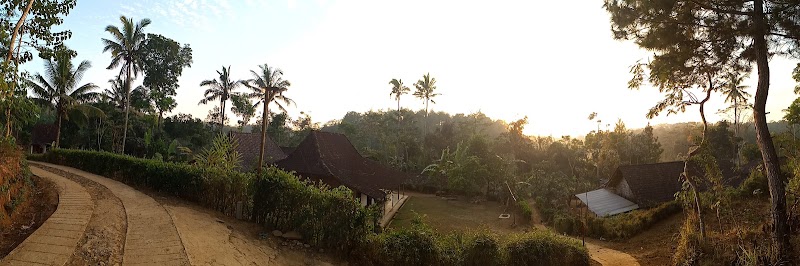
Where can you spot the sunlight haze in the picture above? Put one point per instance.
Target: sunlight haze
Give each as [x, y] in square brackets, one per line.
[507, 59]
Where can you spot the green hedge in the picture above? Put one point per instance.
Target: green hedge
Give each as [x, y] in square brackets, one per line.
[421, 246]
[325, 217]
[621, 226]
[212, 188]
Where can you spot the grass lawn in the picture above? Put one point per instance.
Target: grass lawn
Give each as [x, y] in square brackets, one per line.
[449, 215]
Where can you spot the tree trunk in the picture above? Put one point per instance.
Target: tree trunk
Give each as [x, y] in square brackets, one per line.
[780, 234]
[221, 113]
[158, 122]
[15, 34]
[736, 131]
[426, 116]
[264, 123]
[58, 131]
[692, 152]
[127, 106]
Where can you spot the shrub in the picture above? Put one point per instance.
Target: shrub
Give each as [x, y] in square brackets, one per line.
[756, 183]
[626, 225]
[326, 217]
[566, 223]
[414, 246]
[482, 248]
[689, 249]
[525, 210]
[544, 248]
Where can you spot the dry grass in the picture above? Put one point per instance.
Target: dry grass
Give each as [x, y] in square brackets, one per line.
[455, 215]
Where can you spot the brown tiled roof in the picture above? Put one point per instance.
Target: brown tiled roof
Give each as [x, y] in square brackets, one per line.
[650, 183]
[331, 156]
[287, 150]
[249, 143]
[44, 134]
[658, 182]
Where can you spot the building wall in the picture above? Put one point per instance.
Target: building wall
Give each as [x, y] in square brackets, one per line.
[363, 199]
[623, 189]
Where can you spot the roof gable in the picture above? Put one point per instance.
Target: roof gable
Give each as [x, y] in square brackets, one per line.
[326, 154]
[249, 144]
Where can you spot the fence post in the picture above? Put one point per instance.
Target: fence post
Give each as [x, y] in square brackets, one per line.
[239, 210]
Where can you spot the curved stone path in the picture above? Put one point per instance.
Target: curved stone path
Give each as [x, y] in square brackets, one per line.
[152, 238]
[55, 241]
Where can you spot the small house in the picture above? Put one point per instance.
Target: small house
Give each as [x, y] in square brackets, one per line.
[645, 185]
[331, 158]
[43, 136]
[249, 144]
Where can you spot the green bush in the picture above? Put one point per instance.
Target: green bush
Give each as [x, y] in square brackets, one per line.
[325, 217]
[566, 223]
[756, 183]
[213, 188]
[525, 210]
[544, 248]
[415, 246]
[482, 248]
[626, 225]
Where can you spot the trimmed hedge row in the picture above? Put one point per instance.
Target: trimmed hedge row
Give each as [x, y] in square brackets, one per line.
[621, 226]
[326, 217]
[212, 188]
[421, 246]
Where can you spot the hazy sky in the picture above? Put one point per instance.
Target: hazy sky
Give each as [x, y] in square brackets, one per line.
[554, 61]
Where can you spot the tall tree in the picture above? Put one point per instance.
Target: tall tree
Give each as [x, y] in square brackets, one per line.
[398, 89]
[425, 91]
[682, 33]
[126, 49]
[58, 88]
[163, 62]
[35, 19]
[220, 89]
[242, 107]
[116, 93]
[736, 95]
[268, 87]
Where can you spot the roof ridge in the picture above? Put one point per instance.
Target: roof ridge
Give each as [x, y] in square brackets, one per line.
[320, 153]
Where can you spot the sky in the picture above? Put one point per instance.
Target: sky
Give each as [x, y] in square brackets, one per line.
[552, 61]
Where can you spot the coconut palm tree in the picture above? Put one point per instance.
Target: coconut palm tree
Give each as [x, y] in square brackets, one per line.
[268, 87]
[425, 91]
[116, 93]
[398, 89]
[736, 95]
[58, 89]
[126, 51]
[220, 89]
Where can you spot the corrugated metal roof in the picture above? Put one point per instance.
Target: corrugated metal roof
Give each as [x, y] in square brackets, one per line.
[605, 203]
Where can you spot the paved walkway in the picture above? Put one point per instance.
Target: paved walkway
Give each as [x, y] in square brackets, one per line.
[152, 238]
[55, 241]
[604, 256]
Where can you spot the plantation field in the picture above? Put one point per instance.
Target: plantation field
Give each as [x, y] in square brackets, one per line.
[455, 215]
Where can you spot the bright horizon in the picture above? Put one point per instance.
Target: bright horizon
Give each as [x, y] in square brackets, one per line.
[507, 59]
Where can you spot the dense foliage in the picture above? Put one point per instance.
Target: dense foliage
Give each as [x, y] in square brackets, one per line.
[419, 245]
